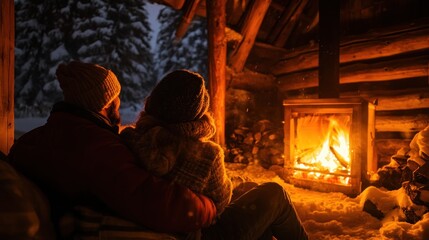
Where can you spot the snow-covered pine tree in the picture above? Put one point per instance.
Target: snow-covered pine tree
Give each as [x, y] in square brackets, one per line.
[37, 49]
[168, 19]
[90, 31]
[54, 47]
[130, 55]
[189, 53]
[28, 34]
[114, 35]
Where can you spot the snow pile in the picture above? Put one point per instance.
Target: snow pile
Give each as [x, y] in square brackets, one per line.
[337, 216]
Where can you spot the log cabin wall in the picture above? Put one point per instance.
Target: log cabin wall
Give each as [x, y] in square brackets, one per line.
[384, 58]
[390, 69]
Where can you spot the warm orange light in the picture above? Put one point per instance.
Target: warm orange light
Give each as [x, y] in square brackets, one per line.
[325, 156]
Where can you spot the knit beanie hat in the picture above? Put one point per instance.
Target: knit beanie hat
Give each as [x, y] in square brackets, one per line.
[180, 96]
[88, 85]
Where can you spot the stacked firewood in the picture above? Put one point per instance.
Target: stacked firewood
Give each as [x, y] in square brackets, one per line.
[409, 169]
[261, 143]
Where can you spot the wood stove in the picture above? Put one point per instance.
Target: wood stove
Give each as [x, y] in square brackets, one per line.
[329, 143]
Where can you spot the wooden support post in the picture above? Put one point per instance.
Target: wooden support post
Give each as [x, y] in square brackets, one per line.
[250, 29]
[329, 46]
[7, 58]
[216, 23]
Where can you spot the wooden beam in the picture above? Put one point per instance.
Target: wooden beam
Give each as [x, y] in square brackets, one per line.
[216, 23]
[290, 25]
[396, 69]
[232, 36]
[403, 102]
[176, 4]
[187, 17]
[263, 57]
[250, 29]
[251, 81]
[7, 58]
[401, 123]
[389, 100]
[282, 22]
[358, 49]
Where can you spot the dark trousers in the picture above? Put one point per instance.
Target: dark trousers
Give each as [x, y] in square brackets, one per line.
[263, 212]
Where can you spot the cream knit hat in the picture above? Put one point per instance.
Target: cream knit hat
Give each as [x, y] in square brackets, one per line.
[88, 85]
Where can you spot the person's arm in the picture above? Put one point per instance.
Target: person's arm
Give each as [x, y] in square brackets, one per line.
[157, 150]
[147, 200]
[219, 185]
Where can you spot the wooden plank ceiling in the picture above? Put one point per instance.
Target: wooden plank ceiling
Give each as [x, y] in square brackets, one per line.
[288, 25]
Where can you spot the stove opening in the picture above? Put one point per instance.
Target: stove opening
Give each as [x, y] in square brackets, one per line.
[329, 143]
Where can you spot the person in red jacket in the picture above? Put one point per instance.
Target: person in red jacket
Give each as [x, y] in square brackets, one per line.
[78, 159]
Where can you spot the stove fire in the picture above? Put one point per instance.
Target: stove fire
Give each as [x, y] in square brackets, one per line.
[323, 151]
[329, 143]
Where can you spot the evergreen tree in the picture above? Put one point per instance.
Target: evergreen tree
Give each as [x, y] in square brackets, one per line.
[90, 31]
[114, 35]
[130, 56]
[189, 53]
[37, 51]
[54, 48]
[28, 34]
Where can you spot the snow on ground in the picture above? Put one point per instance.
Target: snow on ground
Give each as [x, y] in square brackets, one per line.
[326, 216]
[335, 216]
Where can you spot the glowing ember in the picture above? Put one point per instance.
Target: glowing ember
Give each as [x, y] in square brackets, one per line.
[322, 148]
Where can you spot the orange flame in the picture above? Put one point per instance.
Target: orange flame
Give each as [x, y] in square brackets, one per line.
[326, 155]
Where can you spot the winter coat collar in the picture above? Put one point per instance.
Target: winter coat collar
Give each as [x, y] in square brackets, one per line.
[94, 117]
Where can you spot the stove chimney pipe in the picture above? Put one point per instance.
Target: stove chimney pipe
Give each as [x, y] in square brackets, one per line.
[329, 48]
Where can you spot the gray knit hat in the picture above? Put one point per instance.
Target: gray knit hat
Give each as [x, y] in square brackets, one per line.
[180, 96]
[88, 85]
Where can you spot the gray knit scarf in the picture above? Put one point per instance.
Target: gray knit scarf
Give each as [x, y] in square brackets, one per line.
[203, 128]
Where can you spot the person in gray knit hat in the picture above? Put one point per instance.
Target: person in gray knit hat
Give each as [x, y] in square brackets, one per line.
[171, 139]
[180, 96]
[172, 135]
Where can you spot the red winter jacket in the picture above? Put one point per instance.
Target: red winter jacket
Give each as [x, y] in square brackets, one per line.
[78, 156]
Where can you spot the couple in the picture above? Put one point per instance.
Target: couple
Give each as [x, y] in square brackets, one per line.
[79, 158]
